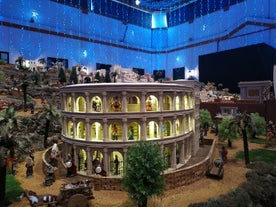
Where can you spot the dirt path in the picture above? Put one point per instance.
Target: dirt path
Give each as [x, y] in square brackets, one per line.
[199, 191]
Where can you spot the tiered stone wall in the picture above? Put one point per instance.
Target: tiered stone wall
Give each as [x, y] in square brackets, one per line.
[183, 176]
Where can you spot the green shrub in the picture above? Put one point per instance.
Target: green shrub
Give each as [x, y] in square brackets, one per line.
[267, 156]
[13, 189]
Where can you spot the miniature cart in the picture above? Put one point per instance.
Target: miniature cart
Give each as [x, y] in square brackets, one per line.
[35, 200]
[69, 194]
[215, 170]
[83, 188]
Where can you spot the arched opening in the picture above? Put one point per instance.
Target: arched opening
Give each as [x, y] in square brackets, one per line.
[133, 104]
[96, 131]
[152, 130]
[177, 103]
[116, 163]
[115, 131]
[133, 131]
[82, 160]
[167, 128]
[69, 104]
[80, 104]
[114, 104]
[167, 103]
[97, 163]
[70, 129]
[167, 157]
[81, 132]
[96, 105]
[151, 103]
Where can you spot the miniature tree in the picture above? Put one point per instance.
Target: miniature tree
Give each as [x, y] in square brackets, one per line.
[49, 114]
[205, 119]
[20, 60]
[8, 123]
[143, 176]
[227, 133]
[61, 76]
[73, 76]
[239, 126]
[259, 123]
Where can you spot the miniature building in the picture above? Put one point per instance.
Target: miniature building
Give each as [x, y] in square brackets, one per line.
[255, 90]
[100, 121]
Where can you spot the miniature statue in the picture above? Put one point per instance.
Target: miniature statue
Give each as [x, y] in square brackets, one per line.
[29, 167]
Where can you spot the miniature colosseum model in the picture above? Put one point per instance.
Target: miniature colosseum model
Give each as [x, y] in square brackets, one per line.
[101, 120]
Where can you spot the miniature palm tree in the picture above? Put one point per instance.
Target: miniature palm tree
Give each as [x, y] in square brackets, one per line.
[20, 60]
[8, 123]
[49, 114]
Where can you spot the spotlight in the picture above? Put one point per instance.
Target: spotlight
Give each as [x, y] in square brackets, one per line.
[137, 2]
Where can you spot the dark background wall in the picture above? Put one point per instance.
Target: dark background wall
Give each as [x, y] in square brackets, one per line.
[250, 63]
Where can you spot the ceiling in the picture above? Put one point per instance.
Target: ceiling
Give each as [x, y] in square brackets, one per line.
[156, 5]
[177, 11]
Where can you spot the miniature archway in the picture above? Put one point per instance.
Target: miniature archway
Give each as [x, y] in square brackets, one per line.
[151, 103]
[167, 128]
[186, 102]
[133, 104]
[115, 131]
[96, 104]
[96, 131]
[114, 104]
[97, 161]
[82, 160]
[116, 163]
[178, 128]
[177, 103]
[70, 129]
[134, 131]
[69, 104]
[167, 102]
[81, 132]
[167, 156]
[152, 130]
[80, 104]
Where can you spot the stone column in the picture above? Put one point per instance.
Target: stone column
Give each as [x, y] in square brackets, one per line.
[88, 161]
[160, 100]
[76, 157]
[105, 130]
[174, 101]
[74, 102]
[144, 129]
[87, 129]
[74, 128]
[143, 102]
[105, 161]
[182, 153]
[173, 161]
[104, 102]
[87, 102]
[124, 130]
[124, 101]
[160, 127]
[174, 126]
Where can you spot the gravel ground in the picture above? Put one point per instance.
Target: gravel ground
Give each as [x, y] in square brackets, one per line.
[202, 190]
